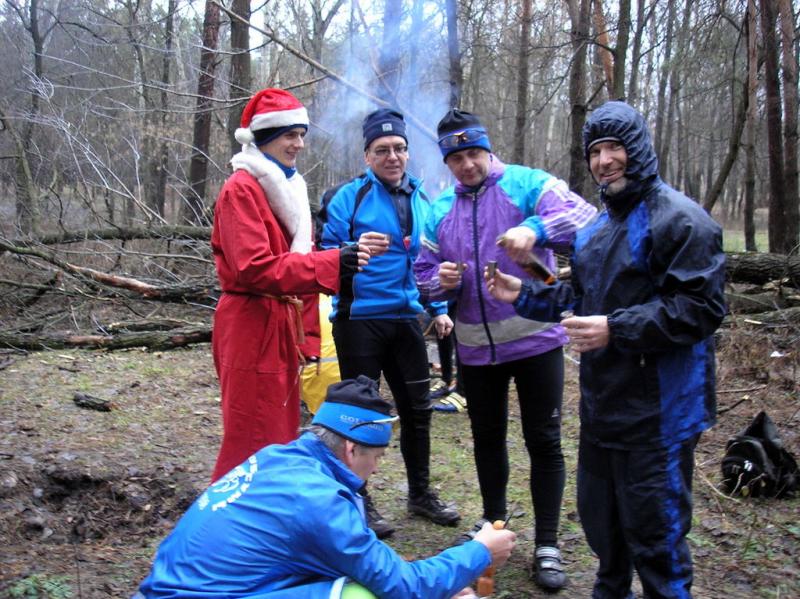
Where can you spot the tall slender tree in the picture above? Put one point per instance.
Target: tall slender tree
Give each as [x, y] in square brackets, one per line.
[194, 211]
[523, 74]
[777, 202]
[580, 18]
[661, 96]
[790, 107]
[240, 84]
[750, 148]
[621, 48]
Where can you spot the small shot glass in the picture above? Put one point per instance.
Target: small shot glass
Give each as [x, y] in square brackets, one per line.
[567, 314]
[491, 268]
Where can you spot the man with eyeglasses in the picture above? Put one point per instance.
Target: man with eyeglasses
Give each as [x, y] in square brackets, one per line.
[374, 315]
[288, 522]
[503, 215]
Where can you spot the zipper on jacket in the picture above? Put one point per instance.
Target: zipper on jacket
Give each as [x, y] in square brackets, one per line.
[479, 276]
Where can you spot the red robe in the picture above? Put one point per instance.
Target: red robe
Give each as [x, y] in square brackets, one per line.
[255, 342]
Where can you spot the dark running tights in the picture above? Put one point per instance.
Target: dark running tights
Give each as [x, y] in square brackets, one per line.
[540, 382]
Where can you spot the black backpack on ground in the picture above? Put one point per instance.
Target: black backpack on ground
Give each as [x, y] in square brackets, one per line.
[757, 465]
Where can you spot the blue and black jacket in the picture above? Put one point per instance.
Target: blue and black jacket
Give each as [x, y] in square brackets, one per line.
[652, 262]
[386, 288]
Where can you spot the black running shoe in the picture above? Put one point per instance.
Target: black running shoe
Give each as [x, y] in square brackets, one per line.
[379, 525]
[428, 505]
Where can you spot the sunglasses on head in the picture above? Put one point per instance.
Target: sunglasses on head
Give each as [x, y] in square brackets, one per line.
[378, 421]
[467, 136]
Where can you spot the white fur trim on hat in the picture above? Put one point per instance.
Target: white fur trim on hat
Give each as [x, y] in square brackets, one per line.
[279, 118]
[244, 136]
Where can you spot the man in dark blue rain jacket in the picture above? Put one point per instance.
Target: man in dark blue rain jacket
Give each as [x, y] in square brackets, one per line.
[647, 295]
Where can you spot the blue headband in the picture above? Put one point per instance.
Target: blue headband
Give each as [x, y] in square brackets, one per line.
[473, 137]
[360, 425]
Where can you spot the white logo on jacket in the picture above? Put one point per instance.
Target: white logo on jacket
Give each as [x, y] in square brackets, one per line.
[230, 487]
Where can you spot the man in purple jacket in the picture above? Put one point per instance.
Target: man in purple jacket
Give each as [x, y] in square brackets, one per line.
[503, 213]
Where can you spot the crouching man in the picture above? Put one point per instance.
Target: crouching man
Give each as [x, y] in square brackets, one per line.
[289, 521]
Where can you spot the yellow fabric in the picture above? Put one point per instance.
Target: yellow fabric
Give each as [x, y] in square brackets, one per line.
[317, 376]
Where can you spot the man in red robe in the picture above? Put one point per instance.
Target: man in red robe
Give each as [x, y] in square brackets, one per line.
[262, 245]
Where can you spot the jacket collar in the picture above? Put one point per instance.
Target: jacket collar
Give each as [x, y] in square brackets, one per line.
[336, 467]
[496, 170]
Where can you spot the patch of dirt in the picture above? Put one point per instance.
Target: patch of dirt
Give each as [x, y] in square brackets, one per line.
[86, 496]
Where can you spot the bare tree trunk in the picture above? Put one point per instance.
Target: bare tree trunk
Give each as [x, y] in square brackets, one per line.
[661, 106]
[580, 17]
[154, 161]
[642, 17]
[27, 198]
[521, 118]
[790, 107]
[651, 66]
[621, 49]
[604, 47]
[683, 168]
[162, 166]
[674, 88]
[750, 167]
[454, 54]
[193, 212]
[389, 77]
[240, 68]
[740, 118]
[777, 203]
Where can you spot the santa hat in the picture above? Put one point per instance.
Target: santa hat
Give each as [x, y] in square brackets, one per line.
[271, 108]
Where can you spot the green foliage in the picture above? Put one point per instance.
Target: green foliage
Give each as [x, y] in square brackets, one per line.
[39, 586]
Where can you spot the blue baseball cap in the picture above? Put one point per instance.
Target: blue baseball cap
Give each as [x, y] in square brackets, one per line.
[354, 409]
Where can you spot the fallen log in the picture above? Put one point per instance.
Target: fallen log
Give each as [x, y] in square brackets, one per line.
[158, 324]
[152, 340]
[743, 303]
[787, 317]
[761, 268]
[93, 277]
[118, 234]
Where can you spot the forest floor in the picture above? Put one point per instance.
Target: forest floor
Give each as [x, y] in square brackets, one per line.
[86, 496]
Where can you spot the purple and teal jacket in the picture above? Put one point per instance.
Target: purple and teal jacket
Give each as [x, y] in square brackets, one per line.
[463, 226]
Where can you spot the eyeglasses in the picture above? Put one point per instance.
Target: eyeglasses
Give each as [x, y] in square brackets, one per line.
[466, 136]
[384, 151]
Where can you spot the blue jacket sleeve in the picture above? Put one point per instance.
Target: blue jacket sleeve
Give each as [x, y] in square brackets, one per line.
[542, 302]
[355, 551]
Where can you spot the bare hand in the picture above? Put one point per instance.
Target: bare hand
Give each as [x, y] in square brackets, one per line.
[586, 332]
[449, 275]
[500, 543]
[443, 325]
[517, 242]
[376, 243]
[502, 286]
[363, 256]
